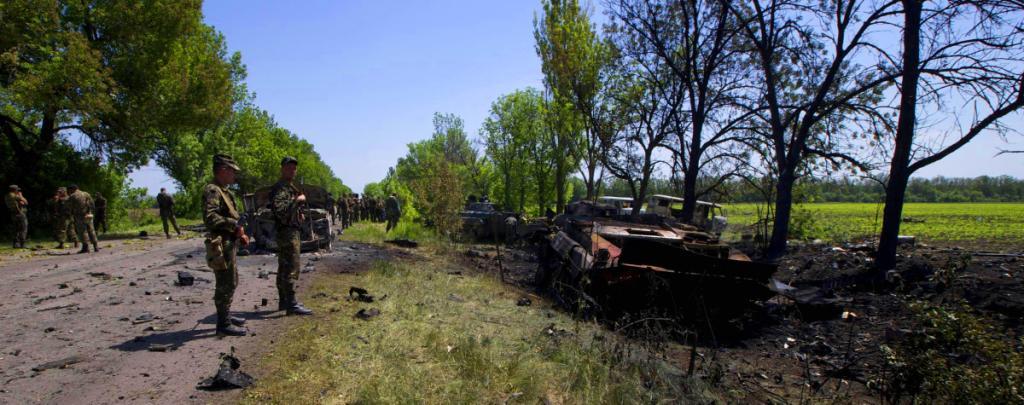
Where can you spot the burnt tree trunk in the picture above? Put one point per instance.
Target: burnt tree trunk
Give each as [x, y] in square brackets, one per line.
[899, 172]
[783, 211]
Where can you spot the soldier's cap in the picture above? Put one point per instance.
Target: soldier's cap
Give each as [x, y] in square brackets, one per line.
[289, 159]
[14, 187]
[62, 189]
[225, 160]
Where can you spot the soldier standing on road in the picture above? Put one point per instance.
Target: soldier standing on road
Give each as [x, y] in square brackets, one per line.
[101, 212]
[81, 206]
[165, 201]
[343, 211]
[220, 216]
[394, 211]
[60, 217]
[288, 203]
[17, 206]
[331, 209]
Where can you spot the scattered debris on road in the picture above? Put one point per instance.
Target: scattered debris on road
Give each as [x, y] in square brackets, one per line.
[62, 363]
[227, 377]
[185, 279]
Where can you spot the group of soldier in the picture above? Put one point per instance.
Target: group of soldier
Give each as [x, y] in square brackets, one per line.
[352, 209]
[71, 212]
[225, 234]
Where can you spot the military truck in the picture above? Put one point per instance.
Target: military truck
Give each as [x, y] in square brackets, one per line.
[316, 232]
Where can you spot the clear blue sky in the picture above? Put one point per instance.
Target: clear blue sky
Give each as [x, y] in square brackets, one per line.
[361, 79]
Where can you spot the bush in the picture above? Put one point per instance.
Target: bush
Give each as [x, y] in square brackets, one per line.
[957, 357]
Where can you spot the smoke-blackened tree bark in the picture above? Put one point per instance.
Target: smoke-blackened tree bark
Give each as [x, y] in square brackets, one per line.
[973, 50]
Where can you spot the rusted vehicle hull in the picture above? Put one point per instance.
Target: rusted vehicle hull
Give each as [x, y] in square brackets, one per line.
[613, 265]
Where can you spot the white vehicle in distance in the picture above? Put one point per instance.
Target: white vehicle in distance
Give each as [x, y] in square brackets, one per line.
[707, 215]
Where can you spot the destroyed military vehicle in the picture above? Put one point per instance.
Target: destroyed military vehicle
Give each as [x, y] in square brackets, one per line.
[315, 233]
[482, 221]
[598, 259]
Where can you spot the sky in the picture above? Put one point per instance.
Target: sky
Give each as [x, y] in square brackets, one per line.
[362, 79]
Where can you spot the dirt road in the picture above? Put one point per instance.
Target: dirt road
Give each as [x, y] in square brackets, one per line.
[93, 309]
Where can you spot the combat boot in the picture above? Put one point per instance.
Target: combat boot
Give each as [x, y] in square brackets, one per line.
[95, 247]
[237, 320]
[60, 246]
[297, 309]
[85, 248]
[227, 329]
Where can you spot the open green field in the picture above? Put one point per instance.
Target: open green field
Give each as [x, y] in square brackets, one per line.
[998, 224]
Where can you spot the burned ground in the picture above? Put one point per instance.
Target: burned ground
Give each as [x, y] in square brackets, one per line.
[780, 351]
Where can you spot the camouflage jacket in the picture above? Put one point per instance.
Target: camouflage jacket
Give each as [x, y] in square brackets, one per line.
[287, 212]
[166, 202]
[219, 212]
[343, 205]
[392, 207]
[57, 208]
[80, 204]
[15, 203]
[101, 204]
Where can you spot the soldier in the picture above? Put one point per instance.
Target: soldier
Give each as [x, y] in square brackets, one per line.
[60, 216]
[81, 206]
[343, 211]
[17, 206]
[287, 203]
[354, 208]
[220, 216]
[165, 201]
[331, 209]
[394, 211]
[101, 212]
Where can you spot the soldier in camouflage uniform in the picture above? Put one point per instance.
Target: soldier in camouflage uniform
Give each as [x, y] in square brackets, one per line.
[220, 216]
[60, 217]
[81, 206]
[331, 209]
[343, 211]
[394, 211]
[17, 206]
[288, 203]
[100, 221]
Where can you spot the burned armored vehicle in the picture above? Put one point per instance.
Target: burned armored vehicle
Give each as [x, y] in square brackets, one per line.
[601, 260]
[707, 216]
[482, 221]
[316, 232]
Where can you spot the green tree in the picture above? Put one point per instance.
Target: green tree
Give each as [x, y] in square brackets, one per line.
[573, 59]
[117, 73]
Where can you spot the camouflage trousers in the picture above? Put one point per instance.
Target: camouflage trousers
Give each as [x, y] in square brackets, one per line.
[64, 229]
[392, 223]
[100, 221]
[288, 248]
[220, 257]
[170, 217]
[86, 233]
[346, 219]
[20, 222]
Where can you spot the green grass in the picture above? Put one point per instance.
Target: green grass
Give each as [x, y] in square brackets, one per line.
[1001, 224]
[446, 338]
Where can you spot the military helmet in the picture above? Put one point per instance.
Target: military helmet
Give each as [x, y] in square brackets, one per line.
[14, 187]
[289, 159]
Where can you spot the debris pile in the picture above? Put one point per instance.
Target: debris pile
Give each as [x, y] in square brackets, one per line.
[227, 377]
